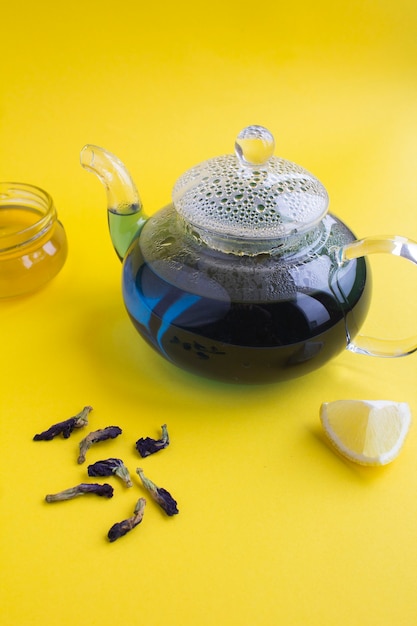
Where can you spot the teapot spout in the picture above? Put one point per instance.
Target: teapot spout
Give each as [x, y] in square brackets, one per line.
[124, 207]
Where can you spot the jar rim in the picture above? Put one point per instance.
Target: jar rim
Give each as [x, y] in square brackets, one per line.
[31, 198]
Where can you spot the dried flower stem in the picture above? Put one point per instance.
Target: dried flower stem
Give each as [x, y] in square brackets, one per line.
[109, 467]
[122, 528]
[159, 494]
[104, 490]
[146, 445]
[110, 432]
[66, 427]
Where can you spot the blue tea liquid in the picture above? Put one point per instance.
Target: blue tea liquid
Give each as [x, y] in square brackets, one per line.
[192, 317]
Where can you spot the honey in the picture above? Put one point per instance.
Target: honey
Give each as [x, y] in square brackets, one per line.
[33, 245]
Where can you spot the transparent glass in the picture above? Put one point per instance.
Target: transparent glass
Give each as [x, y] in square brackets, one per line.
[397, 246]
[33, 244]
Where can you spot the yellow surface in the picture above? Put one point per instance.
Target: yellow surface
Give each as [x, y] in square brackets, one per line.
[274, 528]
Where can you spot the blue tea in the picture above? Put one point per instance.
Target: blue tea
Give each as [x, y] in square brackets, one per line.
[244, 319]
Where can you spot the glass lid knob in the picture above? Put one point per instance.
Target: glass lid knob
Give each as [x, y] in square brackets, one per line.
[254, 145]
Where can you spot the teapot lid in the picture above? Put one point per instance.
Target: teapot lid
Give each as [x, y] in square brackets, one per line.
[245, 202]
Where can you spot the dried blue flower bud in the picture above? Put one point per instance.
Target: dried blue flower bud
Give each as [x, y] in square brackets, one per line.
[160, 495]
[122, 528]
[109, 467]
[104, 490]
[66, 427]
[110, 432]
[146, 445]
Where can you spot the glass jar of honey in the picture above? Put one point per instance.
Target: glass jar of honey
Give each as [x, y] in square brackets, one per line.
[33, 244]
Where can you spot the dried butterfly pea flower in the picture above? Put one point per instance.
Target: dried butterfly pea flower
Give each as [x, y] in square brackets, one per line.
[66, 427]
[104, 490]
[159, 494]
[110, 432]
[146, 445]
[122, 528]
[109, 467]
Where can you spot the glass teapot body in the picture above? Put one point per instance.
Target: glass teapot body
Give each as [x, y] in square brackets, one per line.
[242, 318]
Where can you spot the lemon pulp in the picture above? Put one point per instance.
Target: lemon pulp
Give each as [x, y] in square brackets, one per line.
[370, 432]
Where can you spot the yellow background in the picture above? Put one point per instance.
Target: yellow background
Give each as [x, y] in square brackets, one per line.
[274, 528]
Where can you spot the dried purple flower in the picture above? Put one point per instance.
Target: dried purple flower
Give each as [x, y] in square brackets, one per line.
[109, 467]
[146, 445]
[110, 432]
[104, 490]
[122, 528]
[160, 495]
[66, 427]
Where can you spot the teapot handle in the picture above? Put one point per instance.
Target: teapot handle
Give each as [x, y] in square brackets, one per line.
[398, 246]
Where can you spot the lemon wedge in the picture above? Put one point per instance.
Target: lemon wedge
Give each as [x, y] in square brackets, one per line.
[369, 432]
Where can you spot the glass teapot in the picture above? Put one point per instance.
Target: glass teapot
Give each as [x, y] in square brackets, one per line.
[245, 277]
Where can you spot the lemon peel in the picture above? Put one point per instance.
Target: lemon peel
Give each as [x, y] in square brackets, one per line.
[368, 432]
